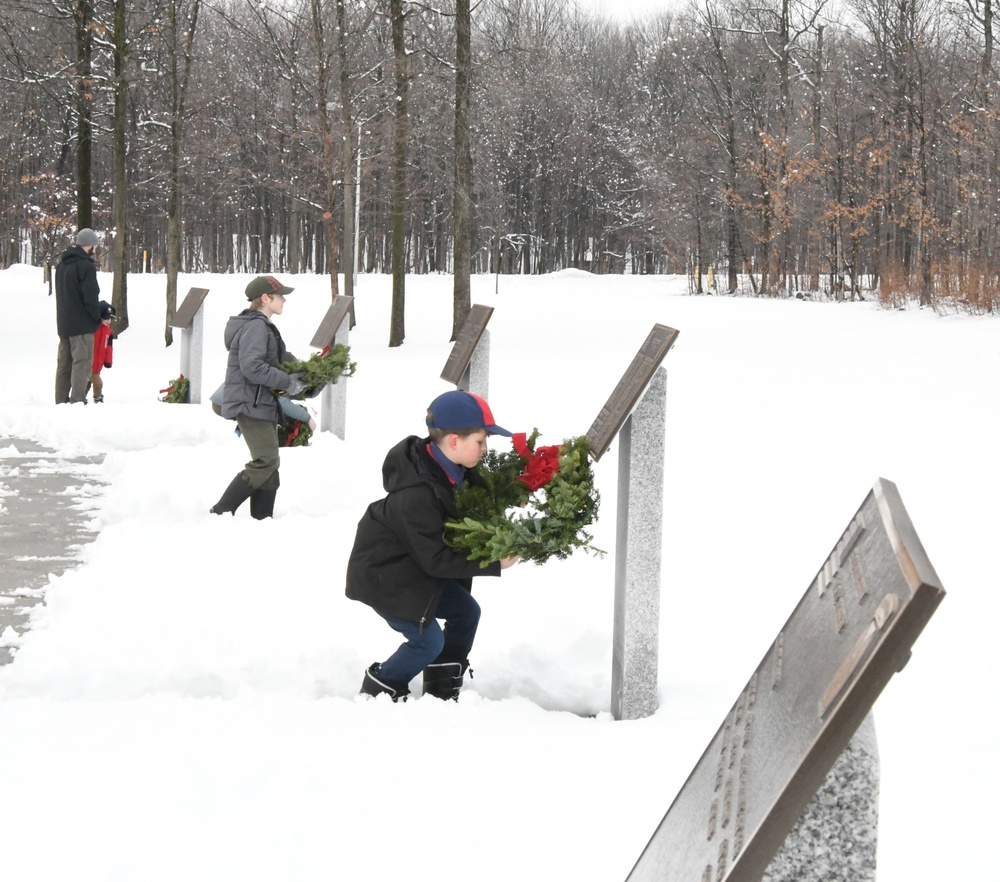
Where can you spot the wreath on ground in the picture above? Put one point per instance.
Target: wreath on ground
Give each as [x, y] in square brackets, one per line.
[536, 502]
[177, 391]
[321, 369]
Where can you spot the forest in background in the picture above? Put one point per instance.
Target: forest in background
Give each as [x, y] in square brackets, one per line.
[774, 148]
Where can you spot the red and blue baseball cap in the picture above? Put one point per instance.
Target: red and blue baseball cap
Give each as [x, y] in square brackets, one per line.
[462, 410]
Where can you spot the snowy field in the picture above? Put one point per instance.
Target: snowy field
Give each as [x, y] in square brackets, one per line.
[185, 705]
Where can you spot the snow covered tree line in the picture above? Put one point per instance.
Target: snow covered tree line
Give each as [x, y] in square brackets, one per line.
[771, 148]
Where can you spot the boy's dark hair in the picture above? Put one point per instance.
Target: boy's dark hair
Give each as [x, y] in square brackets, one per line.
[438, 435]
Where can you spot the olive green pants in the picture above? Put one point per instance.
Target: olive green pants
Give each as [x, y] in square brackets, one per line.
[74, 363]
[261, 437]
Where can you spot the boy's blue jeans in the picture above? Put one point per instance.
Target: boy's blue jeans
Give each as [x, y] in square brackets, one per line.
[424, 643]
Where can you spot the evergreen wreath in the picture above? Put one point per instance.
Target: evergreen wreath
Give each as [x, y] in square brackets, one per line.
[177, 391]
[534, 502]
[320, 369]
[294, 433]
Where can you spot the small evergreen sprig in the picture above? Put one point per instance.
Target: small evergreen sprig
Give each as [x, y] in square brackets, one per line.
[321, 369]
[502, 517]
[177, 391]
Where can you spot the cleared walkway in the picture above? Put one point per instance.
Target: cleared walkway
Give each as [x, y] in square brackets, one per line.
[45, 505]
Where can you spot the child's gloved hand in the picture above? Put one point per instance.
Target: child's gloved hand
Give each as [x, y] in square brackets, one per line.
[296, 386]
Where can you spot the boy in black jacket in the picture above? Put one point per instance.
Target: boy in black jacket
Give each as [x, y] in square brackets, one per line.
[400, 565]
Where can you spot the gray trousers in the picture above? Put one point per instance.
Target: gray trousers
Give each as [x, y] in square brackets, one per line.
[261, 437]
[74, 365]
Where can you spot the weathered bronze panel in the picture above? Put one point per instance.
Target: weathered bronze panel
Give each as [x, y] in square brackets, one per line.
[335, 315]
[185, 315]
[629, 389]
[849, 634]
[466, 342]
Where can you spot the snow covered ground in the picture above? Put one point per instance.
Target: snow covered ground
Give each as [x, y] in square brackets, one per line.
[185, 703]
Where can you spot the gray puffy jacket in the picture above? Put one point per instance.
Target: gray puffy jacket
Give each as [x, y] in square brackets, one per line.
[255, 347]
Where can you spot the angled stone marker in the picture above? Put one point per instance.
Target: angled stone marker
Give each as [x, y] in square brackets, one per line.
[626, 394]
[468, 364]
[852, 630]
[333, 399]
[636, 413]
[190, 318]
[836, 836]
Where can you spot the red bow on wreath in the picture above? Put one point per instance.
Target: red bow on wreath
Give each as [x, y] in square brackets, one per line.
[542, 464]
[294, 433]
[170, 388]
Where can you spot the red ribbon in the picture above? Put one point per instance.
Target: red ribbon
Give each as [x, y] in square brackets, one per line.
[542, 464]
[293, 434]
[170, 388]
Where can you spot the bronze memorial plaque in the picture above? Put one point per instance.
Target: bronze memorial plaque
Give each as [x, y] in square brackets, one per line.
[335, 315]
[185, 315]
[466, 342]
[630, 387]
[848, 635]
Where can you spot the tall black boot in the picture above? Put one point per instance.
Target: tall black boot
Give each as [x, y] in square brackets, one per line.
[262, 503]
[262, 499]
[443, 679]
[235, 495]
[374, 684]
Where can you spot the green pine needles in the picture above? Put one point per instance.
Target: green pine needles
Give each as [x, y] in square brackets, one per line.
[501, 515]
[321, 369]
[177, 392]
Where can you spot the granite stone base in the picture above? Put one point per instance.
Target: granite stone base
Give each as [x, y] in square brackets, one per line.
[837, 834]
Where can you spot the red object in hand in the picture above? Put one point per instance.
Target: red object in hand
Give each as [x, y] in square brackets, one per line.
[542, 465]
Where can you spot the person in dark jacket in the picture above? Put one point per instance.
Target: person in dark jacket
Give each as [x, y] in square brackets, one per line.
[402, 568]
[255, 349]
[78, 316]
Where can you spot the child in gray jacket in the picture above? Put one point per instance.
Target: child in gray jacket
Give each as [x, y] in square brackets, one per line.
[255, 349]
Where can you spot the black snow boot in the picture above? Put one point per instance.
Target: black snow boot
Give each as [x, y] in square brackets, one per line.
[443, 679]
[262, 503]
[262, 499]
[374, 684]
[236, 494]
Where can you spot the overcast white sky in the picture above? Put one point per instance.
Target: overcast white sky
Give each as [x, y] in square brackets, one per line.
[626, 10]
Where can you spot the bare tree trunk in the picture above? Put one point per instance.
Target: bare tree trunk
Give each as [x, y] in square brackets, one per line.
[781, 255]
[119, 288]
[817, 138]
[347, 111]
[180, 70]
[326, 133]
[397, 324]
[987, 67]
[84, 19]
[462, 211]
